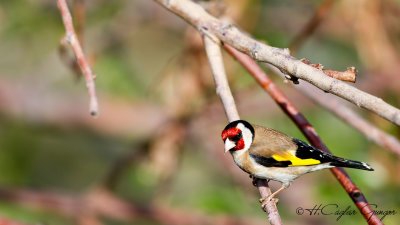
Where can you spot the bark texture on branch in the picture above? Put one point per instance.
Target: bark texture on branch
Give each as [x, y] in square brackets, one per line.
[214, 55]
[204, 22]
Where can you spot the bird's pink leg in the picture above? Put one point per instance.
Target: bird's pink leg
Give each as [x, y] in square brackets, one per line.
[266, 199]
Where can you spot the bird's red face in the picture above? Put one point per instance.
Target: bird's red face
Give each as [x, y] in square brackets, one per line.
[238, 135]
[233, 139]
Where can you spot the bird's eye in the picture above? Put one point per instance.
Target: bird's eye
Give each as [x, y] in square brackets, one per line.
[237, 137]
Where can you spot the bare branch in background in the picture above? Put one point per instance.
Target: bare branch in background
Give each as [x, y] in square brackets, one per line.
[280, 58]
[319, 15]
[372, 38]
[120, 166]
[66, 56]
[354, 192]
[71, 38]
[214, 54]
[106, 205]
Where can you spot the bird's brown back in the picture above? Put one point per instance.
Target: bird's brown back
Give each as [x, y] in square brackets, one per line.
[268, 142]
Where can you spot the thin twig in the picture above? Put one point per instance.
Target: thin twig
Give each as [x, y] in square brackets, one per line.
[71, 38]
[280, 58]
[354, 192]
[214, 55]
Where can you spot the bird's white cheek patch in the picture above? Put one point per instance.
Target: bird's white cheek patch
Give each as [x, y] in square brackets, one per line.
[247, 136]
[229, 145]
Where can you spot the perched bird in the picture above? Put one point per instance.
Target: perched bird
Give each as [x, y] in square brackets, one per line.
[269, 154]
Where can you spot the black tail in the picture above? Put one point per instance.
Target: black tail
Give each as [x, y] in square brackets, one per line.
[351, 164]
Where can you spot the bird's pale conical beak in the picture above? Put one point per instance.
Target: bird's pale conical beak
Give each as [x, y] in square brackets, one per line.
[229, 145]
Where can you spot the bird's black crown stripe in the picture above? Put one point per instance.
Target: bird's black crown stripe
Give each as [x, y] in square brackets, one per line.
[244, 122]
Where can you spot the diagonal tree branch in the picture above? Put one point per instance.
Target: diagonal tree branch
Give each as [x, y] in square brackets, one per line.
[310, 133]
[204, 22]
[72, 39]
[214, 55]
[213, 51]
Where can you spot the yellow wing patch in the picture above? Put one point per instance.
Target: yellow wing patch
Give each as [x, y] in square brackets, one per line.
[295, 160]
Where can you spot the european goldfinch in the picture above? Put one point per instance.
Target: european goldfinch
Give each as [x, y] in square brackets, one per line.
[269, 154]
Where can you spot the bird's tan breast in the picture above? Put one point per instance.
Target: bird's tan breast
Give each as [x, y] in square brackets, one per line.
[244, 162]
